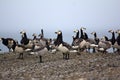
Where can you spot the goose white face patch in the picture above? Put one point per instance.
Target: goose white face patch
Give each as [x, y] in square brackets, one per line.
[111, 31]
[93, 33]
[58, 32]
[75, 31]
[34, 34]
[82, 28]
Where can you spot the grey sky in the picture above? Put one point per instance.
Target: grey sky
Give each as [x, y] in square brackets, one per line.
[66, 15]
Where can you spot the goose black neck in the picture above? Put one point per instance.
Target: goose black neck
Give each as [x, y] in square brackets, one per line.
[113, 38]
[25, 36]
[77, 35]
[95, 35]
[118, 39]
[59, 40]
[106, 38]
[14, 45]
[86, 36]
[34, 37]
[81, 33]
[42, 32]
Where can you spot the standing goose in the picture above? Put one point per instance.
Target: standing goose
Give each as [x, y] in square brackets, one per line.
[77, 33]
[8, 42]
[82, 33]
[79, 41]
[104, 44]
[96, 39]
[17, 48]
[41, 51]
[88, 43]
[113, 40]
[36, 40]
[28, 43]
[117, 43]
[61, 45]
[76, 38]
[42, 40]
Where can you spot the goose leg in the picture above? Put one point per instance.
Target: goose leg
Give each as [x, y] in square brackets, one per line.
[20, 56]
[88, 50]
[63, 55]
[113, 50]
[68, 55]
[40, 57]
[93, 50]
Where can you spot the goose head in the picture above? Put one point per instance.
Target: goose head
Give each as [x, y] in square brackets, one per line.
[104, 38]
[34, 35]
[22, 33]
[0, 39]
[76, 31]
[111, 31]
[118, 31]
[83, 28]
[93, 33]
[58, 32]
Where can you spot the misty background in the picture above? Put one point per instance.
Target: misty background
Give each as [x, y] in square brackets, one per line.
[53, 15]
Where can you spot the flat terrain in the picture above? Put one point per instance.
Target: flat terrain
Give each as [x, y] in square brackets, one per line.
[87, 66]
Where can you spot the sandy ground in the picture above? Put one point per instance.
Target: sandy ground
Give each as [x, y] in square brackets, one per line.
[87, 66]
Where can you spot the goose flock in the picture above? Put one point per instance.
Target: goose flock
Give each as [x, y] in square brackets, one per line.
[39, 45]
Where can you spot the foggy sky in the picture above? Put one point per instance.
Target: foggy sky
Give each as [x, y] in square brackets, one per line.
[65, 15]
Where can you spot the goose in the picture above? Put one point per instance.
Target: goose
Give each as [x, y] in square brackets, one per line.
[8, 42]
[21, 49]
[88, 42]
[77, 33]
[35, 36]
[28, 43]
[117, 43]
[42, 39]
[41, 51]
[96, 39]
[77, 39]
[104, 44]
[113, 40]
[36, 40]
[78, 42]
[17, 48]
[61, 45]
[40, 42]
[82, 33]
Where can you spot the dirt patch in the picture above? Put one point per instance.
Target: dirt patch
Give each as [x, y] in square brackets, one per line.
[87, 66]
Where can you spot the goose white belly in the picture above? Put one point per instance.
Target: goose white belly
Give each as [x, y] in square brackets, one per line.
[63, 48]
[19, 49]
[116, 45]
